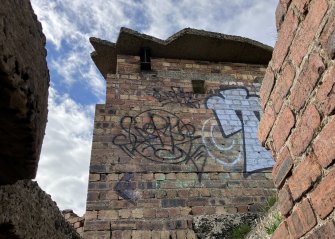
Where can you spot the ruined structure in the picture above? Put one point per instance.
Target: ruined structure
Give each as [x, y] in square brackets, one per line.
[26, 211]
[23, 91]
[298, 97]
[177, 137]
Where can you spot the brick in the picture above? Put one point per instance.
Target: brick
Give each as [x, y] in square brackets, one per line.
[301, 5]
[146, 234]
[149, 213]
[185, 211]
[108, 214]
[281, 232]
[198, 210]
[265, 125]
[173, 203]
[282, 167]
[162, 213]
[281, 11]
[126, 234]
[304, 175]
[183, 193]
[309, 27]
[171, 176]
[94, 177]
[197, 202]
[123, 225]
[160, 176]
[117, 234]
[326, 93]
[97, 225]
[204, 192]
[151, 225]
[306, 81]
[165, 235]
[285, 38]
[267, 85]
[326, 231]
[155, 234]
[181, 224]
[92, 196]
[303, 134]
[124, 213]
[282, 128]
[327, 37]
[191, 235]
[97, 235]
[91, 215]
[323, 196]
[301, 220]
[136, 235]
[324, 144]
[282, 87]
[181, 234]
[137, 213]
[174, 212]
[285, 203]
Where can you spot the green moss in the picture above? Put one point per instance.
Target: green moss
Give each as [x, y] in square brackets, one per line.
[240, 231]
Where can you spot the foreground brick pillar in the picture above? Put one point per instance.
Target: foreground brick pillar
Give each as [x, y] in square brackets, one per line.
[298, 98]
[24, 83]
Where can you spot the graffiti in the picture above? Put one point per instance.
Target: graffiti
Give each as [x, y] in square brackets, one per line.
[162, 137]
[126, 189]
[177, 95]
[235, 130]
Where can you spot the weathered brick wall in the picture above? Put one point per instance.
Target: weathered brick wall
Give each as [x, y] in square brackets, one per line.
[24, 83]
[298, 125]
[74, 220]
[162, 154]
[26, 211]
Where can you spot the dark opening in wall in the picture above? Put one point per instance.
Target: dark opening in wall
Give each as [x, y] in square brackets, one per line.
[145, 55]
[198, 86]
[7, 231]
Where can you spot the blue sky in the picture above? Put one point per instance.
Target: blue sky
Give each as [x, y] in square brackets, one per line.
[76, 84]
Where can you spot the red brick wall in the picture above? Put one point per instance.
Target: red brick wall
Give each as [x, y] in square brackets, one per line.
[137, 190]
[298, 125]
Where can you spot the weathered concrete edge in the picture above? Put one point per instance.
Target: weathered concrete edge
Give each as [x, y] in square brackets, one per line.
[105, 52]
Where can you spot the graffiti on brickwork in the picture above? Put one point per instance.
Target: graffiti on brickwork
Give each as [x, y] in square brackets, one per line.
[162, 137]
[177, 95]
[231, 137]
[126, 188]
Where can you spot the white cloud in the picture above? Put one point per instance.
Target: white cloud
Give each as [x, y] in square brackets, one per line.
[64, 163]
[253, 18]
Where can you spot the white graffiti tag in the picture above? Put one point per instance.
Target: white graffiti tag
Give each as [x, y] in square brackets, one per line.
[237, 115]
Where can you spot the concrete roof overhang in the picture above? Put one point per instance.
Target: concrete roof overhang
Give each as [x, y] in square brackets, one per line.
[191, 44]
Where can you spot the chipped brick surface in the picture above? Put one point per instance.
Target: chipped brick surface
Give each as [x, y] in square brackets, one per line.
[323, 196]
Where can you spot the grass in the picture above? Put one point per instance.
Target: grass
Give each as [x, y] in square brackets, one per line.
[270, 202]
[241, 231]
[273, 225]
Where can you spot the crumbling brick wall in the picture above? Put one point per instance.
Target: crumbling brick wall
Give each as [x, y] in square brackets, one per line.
[26, 211]
[74, 220]
[24, 83]
[298, 98]
[162, 154]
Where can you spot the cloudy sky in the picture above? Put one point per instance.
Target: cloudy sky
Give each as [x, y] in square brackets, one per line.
[76, 85]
